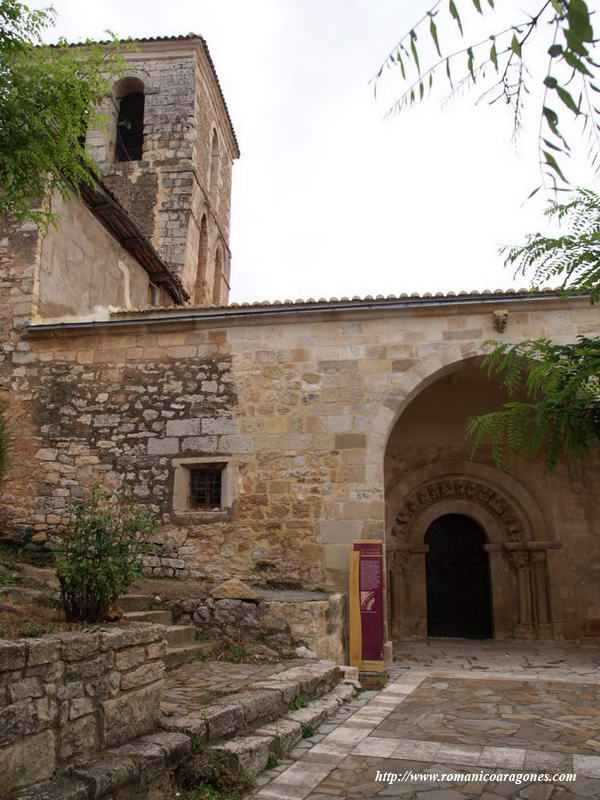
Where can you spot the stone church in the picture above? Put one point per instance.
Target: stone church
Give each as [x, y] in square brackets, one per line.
[269, 436]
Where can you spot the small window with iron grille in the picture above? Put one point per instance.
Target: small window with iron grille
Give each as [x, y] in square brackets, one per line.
[205, 487]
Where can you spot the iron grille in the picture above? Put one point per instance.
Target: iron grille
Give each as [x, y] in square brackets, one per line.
[205, 488]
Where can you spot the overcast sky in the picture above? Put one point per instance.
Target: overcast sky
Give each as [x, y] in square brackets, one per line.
[329, 198]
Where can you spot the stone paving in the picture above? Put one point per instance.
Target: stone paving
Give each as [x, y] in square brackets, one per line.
[555, 716]
[201, 682]
[482, 709]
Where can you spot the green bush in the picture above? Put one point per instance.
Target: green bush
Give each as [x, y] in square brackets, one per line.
[99, 553]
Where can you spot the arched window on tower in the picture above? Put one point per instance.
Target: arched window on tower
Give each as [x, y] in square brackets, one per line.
[218, 278]
[213, 178]
[129, 94]
[200, 288]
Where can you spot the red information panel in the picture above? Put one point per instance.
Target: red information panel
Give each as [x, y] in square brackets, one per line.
[371, 598]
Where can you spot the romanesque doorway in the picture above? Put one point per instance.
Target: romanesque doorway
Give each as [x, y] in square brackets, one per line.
[457, 579]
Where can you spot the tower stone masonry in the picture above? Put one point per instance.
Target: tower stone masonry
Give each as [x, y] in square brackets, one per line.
[177, 183]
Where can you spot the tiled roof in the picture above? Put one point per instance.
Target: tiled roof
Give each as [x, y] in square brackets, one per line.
[368, 300]
[182, 37]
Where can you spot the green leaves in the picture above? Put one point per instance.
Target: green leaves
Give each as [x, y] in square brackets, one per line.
[508, 61]
[5, 441]
[551, 161]
[454, 13]
[515, 45]
[413, 49]
[470, 62]
[576, 63]
[553, 405]
[434, 36]
[578, 17]
[48, 95]
[572, 258]
[551, 118]
[494, 55]
[99, 553]
[567, 100]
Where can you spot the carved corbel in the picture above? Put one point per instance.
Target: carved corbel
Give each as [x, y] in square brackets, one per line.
[500, 319]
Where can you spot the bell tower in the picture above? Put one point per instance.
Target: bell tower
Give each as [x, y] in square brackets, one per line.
[167, 153]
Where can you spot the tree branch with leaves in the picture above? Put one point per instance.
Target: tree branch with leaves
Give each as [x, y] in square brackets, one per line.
[562, 412]
[500, 63]
[561, 383]
[48, 97]
[553, 390]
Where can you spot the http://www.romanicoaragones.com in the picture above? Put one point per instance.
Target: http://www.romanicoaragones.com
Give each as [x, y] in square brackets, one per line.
[518, 778]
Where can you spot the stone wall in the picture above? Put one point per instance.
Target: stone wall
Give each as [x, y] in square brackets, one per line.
[84, 271]
[317, 624]
[300, 403]
[65, 697]
[121, 427]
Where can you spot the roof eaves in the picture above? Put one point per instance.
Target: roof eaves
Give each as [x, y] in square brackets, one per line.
[380, 301]
[110, 213]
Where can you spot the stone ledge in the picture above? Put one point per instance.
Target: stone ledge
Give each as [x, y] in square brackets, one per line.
[138, 763]
[60, 789]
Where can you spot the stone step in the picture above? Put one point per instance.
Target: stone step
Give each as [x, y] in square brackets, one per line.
[263, 702]
[250, 753]
[158, 617]
[180, 634]
[135, 602]
[183, 654]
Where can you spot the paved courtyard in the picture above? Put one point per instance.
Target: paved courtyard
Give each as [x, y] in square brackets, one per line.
[481, 709]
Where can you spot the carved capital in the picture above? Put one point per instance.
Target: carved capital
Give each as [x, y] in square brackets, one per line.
[520, 558]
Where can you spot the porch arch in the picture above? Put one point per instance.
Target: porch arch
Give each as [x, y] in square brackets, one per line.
[406, 386]
[518, 532]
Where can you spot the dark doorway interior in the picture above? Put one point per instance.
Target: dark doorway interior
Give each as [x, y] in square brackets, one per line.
[458, 579]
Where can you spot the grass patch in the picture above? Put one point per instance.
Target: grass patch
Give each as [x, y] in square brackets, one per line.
[224, 692]
[286, 655]
[11, 580]
[22, 618]
[235, 653]
[209, 774]
[299, 702]
[272, 762]
[307, 730]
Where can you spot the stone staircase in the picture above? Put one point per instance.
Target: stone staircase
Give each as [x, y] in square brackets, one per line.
[182, 646]
[263, 720]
